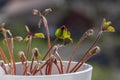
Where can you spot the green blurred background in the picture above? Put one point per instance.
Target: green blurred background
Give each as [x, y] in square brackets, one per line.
[78, 16]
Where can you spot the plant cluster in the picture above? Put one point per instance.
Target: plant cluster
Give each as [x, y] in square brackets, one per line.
[52, 55]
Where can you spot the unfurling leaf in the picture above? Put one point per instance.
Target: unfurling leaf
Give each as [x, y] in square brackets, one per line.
[39, 35]
[18, 38]
[106, 26]
[111, 29]
[94, 50]
[36, 52]
[35, 12]
[62, 33]
[26, 38]
[27, 29]
[58, 33]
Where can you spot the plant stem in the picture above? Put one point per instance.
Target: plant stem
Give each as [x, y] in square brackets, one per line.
[4, 68]
[11, 54]
[48, 52]
[5, 59]
[48, 68]
[94, 43]
[28, 47]
[82, 62]
[24, 68]
[31, 65]
[47, 29]
[12, 43]
[74, 51]
[58, 68]
[36, 70]
[61, 64]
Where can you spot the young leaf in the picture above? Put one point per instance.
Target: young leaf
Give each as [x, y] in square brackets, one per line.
[39, 35]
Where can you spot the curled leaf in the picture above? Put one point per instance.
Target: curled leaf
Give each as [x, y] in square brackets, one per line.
[26, 38]
[111, 29]
[27, 29]
[64, 34]
[94, 50]
[46, 11]
[36, 52]
[22, 56]
[58, 33]
[35, 12]
[18, 38]
[106, 26]
[39, 35]
[89, 32]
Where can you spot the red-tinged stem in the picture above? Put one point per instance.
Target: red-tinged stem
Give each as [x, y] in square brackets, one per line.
[28, 47]
[11, 54]
[41, 72]
[31, 65]
[50, 67]
[94, 43]
[59, 58]
[61, 64]
[35, 71]
[25, 71]
[47, 29]
[74, 51]
[58, 68]
[82, 63]
[12, 44]
[5, 69]
[47, 68]
[5, 59]
[48, 52]
[24, 68]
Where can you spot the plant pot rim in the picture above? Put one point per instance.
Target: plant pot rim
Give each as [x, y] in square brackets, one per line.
[89, 68]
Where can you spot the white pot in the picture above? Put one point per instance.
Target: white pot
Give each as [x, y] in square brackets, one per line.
[84, 73]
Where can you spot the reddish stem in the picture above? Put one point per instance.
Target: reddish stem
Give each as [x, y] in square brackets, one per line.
[36, 70]
[94, 43]
[28, 47]
[31, 65]
[61, 64]
[11, 54]
[82, 62]
[47, 29]
[5, 59]
[48, 52]
[58, 68]
[74, 51]
[25, 68]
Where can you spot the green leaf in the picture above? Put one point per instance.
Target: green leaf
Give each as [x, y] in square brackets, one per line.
[39, 35]
[66, 34]
[58, 33]
[62, 33]
[26, 38]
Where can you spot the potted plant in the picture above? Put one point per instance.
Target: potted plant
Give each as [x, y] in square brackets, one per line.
[51, 66]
